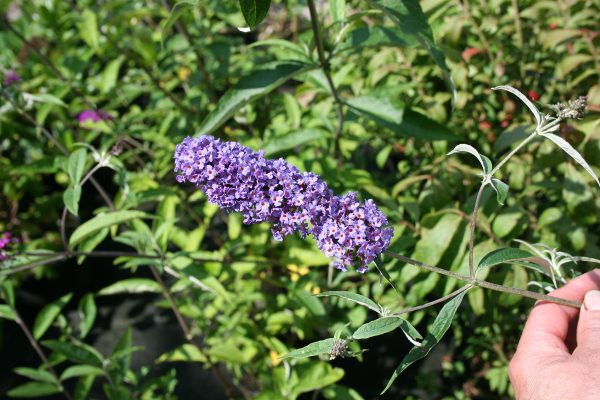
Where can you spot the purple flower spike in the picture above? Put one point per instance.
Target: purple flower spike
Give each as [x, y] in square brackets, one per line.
[93, 115]
[11, 78]
[238, 179]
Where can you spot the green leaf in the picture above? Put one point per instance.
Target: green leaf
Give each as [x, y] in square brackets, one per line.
[71, 198]
[34, 389]
[88, 29]
[8, 293]
[311, 350]
[337, 10]
[78, 353]
[501, 189]
[378, 107]
[438, 329]
[485, 162]
[36, 374]
[131, 285]
[76, 166]
[310, 302]
[376, 36]
[534, 110]
[500, 256]
[81, 370]
[7, 313]
[570, 150]
[87, 311]
[411, 20]
[186, 352]
[353, 297]
[377, 327]
[260, 82]
[110, 75]
[412, 123]
[180, 8]
[292, 140]
[48, 314]
[254, 11]
[101, 221]
[46, 98]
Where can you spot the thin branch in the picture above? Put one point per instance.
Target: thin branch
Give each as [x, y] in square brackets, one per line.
[187, 333]
[434, 302]
[39, 351]
[326, 67]
[485, 284]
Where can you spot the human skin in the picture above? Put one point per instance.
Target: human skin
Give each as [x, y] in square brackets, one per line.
[558, 356]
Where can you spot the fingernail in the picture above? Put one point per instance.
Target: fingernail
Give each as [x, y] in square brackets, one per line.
[592, 300]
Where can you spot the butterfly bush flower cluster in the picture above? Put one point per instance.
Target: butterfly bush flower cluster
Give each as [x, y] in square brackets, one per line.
[238, 179]
[6, 242]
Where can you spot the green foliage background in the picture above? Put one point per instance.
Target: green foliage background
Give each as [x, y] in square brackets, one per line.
[164, 71]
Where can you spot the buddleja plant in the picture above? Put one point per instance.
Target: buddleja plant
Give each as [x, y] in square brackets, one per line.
[354, 234]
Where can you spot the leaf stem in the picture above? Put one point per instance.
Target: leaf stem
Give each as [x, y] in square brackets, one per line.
[473, 225]
[326, 67]
[513, 152]
[485, 284]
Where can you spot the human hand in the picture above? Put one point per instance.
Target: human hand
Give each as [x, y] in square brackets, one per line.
[558, 356]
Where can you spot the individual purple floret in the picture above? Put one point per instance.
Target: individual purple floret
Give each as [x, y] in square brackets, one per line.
[238, 179]
[93, 115]
[11, 78]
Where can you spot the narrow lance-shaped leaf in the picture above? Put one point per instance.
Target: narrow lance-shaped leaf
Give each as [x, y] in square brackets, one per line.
[311, 350]
[34, 390]
[353, 297]
[260, 82]
[87, 311]
[438, 329]
[377, 327]
[570, 150]
[101, 221]
[503, 256]
[71, 198]
[131, 285]
[48, 314]
[485, 162]
[76, 166]
[36, 374]
[534, 110]
[79, 353]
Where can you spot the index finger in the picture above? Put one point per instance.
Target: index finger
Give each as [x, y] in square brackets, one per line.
[547, 327]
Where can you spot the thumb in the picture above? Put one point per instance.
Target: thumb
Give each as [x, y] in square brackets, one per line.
[588, 327]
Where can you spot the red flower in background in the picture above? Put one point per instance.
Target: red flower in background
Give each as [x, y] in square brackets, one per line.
[470, 52]
[533, 95]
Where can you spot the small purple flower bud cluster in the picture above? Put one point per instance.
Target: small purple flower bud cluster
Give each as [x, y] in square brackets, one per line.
[11, 78]
[6, 242]
[238, 179]
[93, 115]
